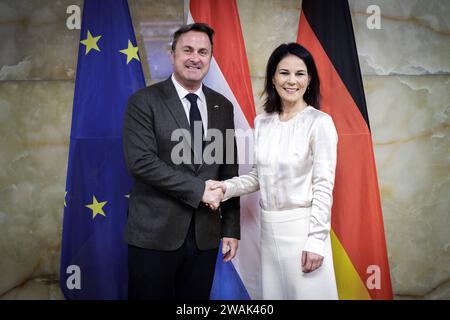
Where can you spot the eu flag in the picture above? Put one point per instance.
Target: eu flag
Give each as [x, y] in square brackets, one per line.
[94, 252]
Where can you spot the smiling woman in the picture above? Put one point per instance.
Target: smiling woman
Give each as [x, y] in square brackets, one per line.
[291, 80]
[290, 68]
[295, 152]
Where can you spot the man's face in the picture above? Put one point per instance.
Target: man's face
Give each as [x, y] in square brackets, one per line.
[191, 59]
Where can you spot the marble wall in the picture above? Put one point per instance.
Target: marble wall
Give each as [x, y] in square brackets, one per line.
[406, 74]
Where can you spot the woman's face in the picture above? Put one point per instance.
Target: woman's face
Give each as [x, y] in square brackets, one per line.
[291, 79]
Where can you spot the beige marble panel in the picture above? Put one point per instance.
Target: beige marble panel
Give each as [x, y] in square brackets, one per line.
[410, 127]
[258, 88]
[34, 129]
[414, 37]
[36, 44]
[157, 10]
[36, 289]
[265, 25]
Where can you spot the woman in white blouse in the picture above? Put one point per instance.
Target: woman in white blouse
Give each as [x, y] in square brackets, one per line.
[295, 161]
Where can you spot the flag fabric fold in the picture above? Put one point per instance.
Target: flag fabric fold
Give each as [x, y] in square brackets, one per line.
[229, 75]
[94, 252]
[359, 247]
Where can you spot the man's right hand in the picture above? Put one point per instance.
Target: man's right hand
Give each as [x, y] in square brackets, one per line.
[213, 195]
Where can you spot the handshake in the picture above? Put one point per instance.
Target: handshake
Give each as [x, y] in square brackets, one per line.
[213, 194]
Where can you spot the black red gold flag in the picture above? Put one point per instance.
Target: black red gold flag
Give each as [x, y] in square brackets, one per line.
[358, 240]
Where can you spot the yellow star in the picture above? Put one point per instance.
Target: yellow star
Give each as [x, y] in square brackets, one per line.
[96, 207]
[131, 52]
[65, 194]
[90, 42]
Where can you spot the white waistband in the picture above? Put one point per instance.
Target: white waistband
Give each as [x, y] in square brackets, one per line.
[285, 215]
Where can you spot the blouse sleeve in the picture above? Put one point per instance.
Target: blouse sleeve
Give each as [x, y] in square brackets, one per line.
[324, 140]
[247, 183]
[238, 186]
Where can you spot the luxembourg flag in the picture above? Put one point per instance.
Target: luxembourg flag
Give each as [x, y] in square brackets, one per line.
[238, 279]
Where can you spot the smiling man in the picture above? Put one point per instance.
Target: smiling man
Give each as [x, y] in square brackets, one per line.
[173, 228]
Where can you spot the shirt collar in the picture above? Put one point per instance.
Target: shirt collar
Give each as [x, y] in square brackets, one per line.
[182, 92]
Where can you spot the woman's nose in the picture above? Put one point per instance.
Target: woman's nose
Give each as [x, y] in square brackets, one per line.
[291, 78]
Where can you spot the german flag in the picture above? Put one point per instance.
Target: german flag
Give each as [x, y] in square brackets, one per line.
[359, 247]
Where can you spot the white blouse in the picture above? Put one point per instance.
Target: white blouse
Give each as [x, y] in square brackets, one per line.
[295, 162]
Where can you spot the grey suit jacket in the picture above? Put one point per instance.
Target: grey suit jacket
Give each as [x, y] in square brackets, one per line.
[165, 195]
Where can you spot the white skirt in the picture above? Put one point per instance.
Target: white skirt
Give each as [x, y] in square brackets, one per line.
[283, 236]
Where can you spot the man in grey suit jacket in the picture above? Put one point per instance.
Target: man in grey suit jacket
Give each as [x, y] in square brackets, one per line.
[174, 227]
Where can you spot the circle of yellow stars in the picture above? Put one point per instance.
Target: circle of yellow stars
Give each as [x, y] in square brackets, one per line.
[91, 43]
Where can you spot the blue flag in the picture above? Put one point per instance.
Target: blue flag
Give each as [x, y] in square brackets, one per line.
[94, 252]
[227, 284]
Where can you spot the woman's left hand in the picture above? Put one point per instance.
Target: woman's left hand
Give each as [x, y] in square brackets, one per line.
[311, 261]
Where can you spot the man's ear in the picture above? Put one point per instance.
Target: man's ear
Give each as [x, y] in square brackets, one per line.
[172, 56]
